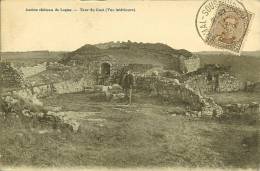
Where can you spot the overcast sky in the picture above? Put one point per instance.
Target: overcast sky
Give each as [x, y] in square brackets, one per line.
[170, 22]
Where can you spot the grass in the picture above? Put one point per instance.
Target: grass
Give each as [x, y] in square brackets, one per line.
[144, 134]
[236, 97]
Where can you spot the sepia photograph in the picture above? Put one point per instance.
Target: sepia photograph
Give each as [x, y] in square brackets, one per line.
[129, 85]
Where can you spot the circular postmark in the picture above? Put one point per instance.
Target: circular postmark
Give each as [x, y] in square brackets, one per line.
[207, 12]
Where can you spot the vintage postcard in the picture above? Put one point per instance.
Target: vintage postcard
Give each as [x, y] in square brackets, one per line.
[129, 85]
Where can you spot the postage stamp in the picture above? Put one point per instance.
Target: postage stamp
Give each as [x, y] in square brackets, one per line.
[223, 24]
[229, 28]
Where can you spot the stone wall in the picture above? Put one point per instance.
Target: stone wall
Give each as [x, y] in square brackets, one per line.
[141, 68]
[214, 82]
[167, 88]
[171, 89]
[95, 70]
[249, 112]
[229, 83]
[200, 83]
[253, 108]
[58, 88]
[9, 76]
[24, 109]
[71, 86]
[108, 45]
[183, 64]
[29, 71]
[189, 64]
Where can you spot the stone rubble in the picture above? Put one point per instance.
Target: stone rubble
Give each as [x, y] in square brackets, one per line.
[171, 89]
[68, 119]
[253, 108]
[32, 70]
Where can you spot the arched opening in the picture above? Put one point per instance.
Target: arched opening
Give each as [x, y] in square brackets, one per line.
[105, 69]
[104, 74]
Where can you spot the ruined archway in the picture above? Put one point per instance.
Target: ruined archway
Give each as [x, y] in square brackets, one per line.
[104, 73]
[105, 69]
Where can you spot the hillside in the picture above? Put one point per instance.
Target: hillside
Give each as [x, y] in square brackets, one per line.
[127, 52]
[246, 66]
[31, 58]
[244, 53]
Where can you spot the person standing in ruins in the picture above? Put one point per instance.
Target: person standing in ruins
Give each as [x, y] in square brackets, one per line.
[154, 84]
[127, 85]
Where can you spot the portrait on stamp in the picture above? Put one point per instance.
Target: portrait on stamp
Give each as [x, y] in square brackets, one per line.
[229, 28]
